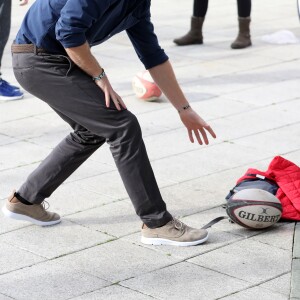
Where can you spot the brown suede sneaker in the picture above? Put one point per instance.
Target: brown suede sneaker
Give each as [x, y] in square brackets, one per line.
[36, 213]
[174, 233]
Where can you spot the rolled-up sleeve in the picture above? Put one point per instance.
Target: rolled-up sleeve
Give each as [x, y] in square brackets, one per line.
[146, 44]
[76, 17]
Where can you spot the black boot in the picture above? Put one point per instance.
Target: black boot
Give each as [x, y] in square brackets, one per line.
[194, 36]
[243, 39]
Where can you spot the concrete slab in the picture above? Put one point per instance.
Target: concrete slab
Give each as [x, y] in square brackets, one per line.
[113, 292]
[273, 148]
[116, 219]
[4, 140]
[247, 260]
[296, 249]
[3, 297]
[295, 288]
[51, 281]
[13, 258]
[72, 198]
[281, 238]
[256, 293]
[115, 261]
[11, 158]
[54, 241]
[272, 93]
[280, 284]
[205, 161]
[186, 281]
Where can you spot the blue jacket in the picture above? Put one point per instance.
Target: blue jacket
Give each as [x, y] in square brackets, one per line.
[58, 24]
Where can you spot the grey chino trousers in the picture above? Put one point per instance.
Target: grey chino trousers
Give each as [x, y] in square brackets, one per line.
[74, 96]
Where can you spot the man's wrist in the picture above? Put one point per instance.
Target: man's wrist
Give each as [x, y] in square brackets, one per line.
[183, 108]
[100, 76]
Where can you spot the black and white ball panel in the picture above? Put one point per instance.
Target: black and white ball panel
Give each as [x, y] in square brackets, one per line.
[254, 208]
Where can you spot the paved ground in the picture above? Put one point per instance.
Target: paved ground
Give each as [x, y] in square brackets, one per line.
[250, 97]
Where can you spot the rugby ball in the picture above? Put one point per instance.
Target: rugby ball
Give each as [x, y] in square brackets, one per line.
[144, 87]
[254, 208]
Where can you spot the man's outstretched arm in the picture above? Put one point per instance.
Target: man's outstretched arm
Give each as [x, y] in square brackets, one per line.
[164, 76]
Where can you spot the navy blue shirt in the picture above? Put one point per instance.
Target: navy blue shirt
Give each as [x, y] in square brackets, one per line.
[58, 24]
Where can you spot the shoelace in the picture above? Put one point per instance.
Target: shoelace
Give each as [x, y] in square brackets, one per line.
[44, 203]
[178, 224]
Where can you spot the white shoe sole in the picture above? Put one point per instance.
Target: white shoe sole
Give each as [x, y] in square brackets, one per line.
[158, 242]
[6, 98]
[20, 217]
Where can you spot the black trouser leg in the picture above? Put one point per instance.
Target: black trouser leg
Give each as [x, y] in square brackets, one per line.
[79, 101]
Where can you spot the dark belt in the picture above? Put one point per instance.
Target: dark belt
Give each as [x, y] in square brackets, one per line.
[26, 48]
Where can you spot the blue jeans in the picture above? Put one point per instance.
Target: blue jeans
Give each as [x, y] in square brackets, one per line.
[5, 15]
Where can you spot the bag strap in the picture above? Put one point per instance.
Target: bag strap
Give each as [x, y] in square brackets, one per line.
[214, 221]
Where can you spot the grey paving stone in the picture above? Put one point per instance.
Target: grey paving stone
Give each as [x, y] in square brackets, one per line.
[185, 281]
[294, 157]
[276, 52]
[110, 184]
[272, 147]
[295, 288]
[32, 127]
[217, 239]
[21, 109]
[56, 240]
[281, 238]
[12, 155]
[72, 198]
[48, 281]
[158, 146]
[13, 178]
[113, 292]
[13, 258]
[220, 106]
[117, 219]
[256, 293]
[264, 119]
[280, 284]
[296, 250]
[272, 93]
[116, 260]
[205, 161]
[3, 297]
[4, 140]
[248, 260]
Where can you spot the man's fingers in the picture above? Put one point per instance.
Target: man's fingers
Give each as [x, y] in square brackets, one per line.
[118, 104]
[191, 136]
[121, 102]
[196, 132]
[107, 98]
[204, 136]
[210, 130]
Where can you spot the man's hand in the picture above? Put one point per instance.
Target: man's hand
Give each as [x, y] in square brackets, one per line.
[23, 2]
[109, 93]
[86, 61]
[196, 126]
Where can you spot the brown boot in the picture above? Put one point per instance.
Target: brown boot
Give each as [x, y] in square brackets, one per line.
[194, 36]
[243, 39]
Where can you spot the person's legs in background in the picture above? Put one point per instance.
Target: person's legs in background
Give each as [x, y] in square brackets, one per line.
[194, 36]
[243, 39]
[7, 91]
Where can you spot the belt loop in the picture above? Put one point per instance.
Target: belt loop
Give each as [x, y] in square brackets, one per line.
[35, 50]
